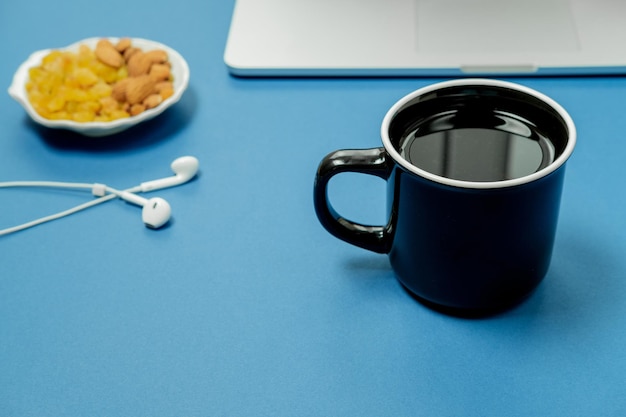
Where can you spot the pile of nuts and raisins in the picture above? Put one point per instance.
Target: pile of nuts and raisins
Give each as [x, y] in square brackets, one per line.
[110, 82]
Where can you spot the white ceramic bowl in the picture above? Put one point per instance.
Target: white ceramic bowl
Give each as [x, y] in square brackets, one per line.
[180, 72]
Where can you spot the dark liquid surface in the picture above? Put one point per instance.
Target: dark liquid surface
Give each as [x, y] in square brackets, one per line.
[487, 146]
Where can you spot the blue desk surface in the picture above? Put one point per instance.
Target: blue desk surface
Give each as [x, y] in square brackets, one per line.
[244, 305]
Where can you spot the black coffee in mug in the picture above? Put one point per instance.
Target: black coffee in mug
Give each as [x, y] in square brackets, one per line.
[474, 172]
[477, 134]
[477, 145]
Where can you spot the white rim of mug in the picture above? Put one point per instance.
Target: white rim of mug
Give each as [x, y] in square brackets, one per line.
[400, 104]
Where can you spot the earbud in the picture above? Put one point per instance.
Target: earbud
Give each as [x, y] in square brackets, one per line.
[185, 168]
[156, 211]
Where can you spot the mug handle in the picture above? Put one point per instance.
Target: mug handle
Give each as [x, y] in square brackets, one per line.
[366, 161]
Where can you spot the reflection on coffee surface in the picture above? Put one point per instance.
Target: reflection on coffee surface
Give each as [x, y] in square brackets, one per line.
[483, 146]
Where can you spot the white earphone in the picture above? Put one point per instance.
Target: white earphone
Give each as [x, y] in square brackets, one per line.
[156, 211]
[185, 168]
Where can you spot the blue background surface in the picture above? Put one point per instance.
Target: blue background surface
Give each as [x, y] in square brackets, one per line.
[245, 305]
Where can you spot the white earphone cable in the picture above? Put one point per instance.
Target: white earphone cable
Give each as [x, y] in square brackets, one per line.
[156, 211]
[65, 213]
[47, 184]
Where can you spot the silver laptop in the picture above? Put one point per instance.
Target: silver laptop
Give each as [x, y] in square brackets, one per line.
[427, 37]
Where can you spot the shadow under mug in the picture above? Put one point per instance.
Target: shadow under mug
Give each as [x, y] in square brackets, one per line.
[474, 171]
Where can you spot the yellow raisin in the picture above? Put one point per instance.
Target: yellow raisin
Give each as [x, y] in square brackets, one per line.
[85, 77]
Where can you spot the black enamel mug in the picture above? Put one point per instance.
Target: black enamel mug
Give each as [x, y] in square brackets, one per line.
[474, 171]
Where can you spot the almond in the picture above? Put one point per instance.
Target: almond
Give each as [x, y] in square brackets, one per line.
[156, 56]
[160, 72]
[138, 88]
[119, 90]
[166, 92]
[138, 65]
[123, 44]
[152, 100]
[165, 89]
[135, 109]
[163, 85]
[107, 54]
[128, 52]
